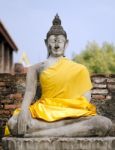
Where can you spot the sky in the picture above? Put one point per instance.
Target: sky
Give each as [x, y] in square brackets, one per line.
[28, 22]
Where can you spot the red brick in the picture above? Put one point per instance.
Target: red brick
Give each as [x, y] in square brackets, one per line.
[6, 112]
[7, 101]
[15, 96]
[98, 97]
[2, 84]
[11, 106]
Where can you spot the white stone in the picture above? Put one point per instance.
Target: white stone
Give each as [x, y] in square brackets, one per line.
[61, 143]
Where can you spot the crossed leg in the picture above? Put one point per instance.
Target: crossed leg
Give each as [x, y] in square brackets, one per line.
[69, 127]
[91, 126]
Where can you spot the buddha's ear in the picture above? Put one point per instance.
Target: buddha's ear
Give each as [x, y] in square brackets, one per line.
[66, 44]
[48, 50]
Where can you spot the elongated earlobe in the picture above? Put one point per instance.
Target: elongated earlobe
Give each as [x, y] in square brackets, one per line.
[48, 51]
[66, 44]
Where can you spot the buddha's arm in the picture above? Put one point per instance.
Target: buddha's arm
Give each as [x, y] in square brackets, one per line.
[88, 95]
[31, 85]
[24, 115]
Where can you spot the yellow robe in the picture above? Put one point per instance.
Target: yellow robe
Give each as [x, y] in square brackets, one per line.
[63, 86]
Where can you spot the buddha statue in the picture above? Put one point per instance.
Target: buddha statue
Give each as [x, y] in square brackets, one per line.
[64, 108]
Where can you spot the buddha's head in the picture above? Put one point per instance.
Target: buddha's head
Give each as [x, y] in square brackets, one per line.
[56, 40]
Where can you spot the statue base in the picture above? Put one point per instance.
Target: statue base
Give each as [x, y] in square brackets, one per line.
[60, 143]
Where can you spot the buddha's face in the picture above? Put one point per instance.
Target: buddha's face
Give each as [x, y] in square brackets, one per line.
[56, 45]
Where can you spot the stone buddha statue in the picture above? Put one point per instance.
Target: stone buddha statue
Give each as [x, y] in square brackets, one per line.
[64, 108]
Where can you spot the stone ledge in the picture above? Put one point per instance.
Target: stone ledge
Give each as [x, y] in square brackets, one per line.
[60, 143]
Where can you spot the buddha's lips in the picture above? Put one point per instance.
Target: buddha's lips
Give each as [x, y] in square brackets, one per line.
[56, 50]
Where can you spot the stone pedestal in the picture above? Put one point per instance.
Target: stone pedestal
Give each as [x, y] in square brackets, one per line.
[54, 143]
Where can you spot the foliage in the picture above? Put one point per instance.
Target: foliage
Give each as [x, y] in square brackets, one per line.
[98, 59]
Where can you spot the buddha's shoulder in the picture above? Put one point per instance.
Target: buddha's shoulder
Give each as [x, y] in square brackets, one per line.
[37, 67]
[76, 64]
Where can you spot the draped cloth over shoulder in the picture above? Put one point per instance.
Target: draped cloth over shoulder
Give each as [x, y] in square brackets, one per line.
[63, 86]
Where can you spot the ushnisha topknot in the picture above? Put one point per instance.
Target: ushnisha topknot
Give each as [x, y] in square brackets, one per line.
[56, 28]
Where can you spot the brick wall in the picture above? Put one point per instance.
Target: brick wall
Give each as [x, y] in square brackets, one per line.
[103, 94]
[12, 88]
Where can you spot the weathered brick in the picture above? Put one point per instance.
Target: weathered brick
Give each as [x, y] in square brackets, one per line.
[98, 97]
[111, 80]
[111, 87]
[15, 96]
[6, 77]
[1, 88]
[2, 84]
[95, 85]
[1, 106]
[5, 89]
[6, 101]
[108, 97]
[100, 91]
[99, 80]
[6, 112]
[13, 106]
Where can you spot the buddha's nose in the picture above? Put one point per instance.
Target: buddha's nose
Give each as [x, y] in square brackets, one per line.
[56, 46]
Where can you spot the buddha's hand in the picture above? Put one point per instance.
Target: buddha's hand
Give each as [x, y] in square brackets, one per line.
[23, 121]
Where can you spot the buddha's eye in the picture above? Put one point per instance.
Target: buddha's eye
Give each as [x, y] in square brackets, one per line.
[52, 41]
[60, 41]
[57, 40]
